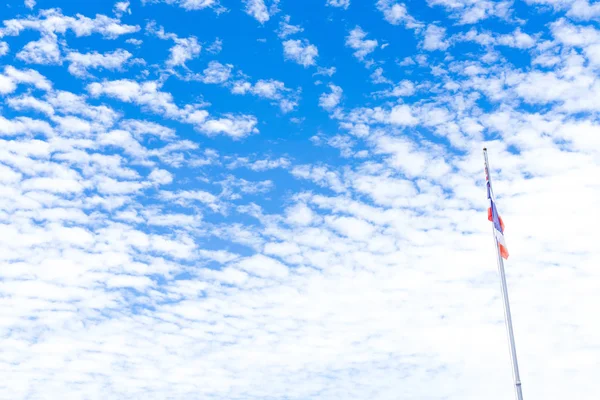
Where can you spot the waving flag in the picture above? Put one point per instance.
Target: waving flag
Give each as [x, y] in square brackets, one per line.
[495, 217]
[502, 253]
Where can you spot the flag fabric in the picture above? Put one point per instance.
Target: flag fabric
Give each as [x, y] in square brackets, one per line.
[495, 218]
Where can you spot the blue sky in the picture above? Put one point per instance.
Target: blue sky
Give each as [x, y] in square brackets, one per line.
[259, 199]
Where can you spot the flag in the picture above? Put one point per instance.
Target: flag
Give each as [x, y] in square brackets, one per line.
[495, 218]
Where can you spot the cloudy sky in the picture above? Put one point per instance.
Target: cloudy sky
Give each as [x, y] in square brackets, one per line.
[278, 199]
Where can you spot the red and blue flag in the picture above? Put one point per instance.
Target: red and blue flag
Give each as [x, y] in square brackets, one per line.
[495, 218]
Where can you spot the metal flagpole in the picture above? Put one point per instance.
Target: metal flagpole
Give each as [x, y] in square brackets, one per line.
[507, 315]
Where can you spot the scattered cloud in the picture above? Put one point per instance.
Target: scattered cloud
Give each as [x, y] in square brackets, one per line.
[13, 76]
[516, 39]
[271, 89]
[148, 96]
[301, 52]
[470, 12]
[435, 38]
[396, 14]
[216, 73]
[260, 164]
[192, 5]
[135, 42]
[81, 63]
[325, 71]
[3, 49]
[275, 90]
[154, 245]
[42, 51]
[121, 8]
[215, 47]
[52, 21]
[378, 78]
[577, 9]
[356, 41]
[185, 49]
[339, 3]
[235, 126]
[258, 10]
[286, 29]
[402, 89]
[329, 101]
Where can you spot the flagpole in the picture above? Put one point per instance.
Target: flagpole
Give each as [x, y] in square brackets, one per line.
[507, 315]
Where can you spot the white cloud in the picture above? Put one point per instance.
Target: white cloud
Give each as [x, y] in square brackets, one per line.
[140, 128]
[30, 103]
[233, 186]
[339, 3]
[574, 35]
[576, 9]
[435, 38]
[135, 42]
[69, 103]
[321, 175]
[185, 49]
[42, 51]
[122, 7]
[470, 12]
[268, 89]
[23, 125]
[160, 177]
[584, 10]
[406, 62]
[300, 214]
[187, 197]
[12, 76]
[240, 87]
[329, 101]
[539, 87]
[257, 9]
[3, 49]
[356, 41]
[215, 47]
[300, 51]
[482, 38]
[169, 265]
[129, 281]
[192, 5]
[377, 77]
[149, 97]
[145, 94]
[286, 29]
[325, 71]
[275, 90]
[402, 115]
[262, 266]
[217, 73]
[517, 39]
[199, 4]
[30, 3]
[80, 63]
[271, 89]
[260, 165]
[396, 14]
[52, 21]
[234, 126]
[403, 88]
[353, 228]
